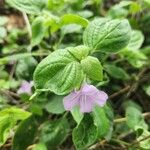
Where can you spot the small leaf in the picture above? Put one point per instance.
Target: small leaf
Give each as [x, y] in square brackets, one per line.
[8, 120]
[28, 6]
[40, 146]
[54, 133]
[25, 134]
[55, 105]
[144, 144]
[136, 40]
[107, 35]
[72, 18]
[93, 68]
[134, 115]
[61, 71]
[85, 133]
[77, 115]
[38, 30]
[26, 67]
[3, 33]
[101, 121]
[116, 72]
[136, 58]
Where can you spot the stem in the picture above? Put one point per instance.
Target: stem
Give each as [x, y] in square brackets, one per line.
[119, 120]
[27, 23]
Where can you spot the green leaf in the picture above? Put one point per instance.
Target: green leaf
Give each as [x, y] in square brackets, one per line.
[72, 18]
[38, 30]
[147, 89]
[3, 33]
[136, 40]
[3, 20]
[85, 133]
[55, 105]
[26, 67]
[8, 120]
[25, 134]
[107, 35]
[144, 144]
[28, 6]
[101, 121]
[77, 115]
[93, 68]
[134, 115]
[61, 71]
[116, 72]
[136, 58]
[55, 132]
[71, 28]
[40, 146]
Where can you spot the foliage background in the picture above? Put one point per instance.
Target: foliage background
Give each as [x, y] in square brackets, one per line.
[30, 30]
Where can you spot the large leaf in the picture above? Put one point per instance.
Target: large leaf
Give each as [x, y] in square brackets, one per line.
[61, 71]
[93, 68]
[85, 133]
[101, 121]
[55, 105]
[136, 40]
[25, 134]
[8, 120]
[54, 133]
[29, 6]
[107, 35]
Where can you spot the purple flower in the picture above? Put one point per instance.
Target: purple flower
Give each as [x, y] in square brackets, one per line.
[26, 87]
[87, 97]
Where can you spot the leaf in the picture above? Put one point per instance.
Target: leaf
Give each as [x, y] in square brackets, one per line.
[134, 115]
[147, 89]
[3, 20]
[8, 120]
[136, 40]
[40, 146]
[144, 144]
[93, 68]
[55, 132]
[28, 6]
[72, 18]
[3, 33]
[85, 133]
[116, 72]
[136, 58]
[61, 71]
[55, 105]
[77, 115]
[101, 121]
[71, 28]
[25, 134]
[26, 67]
[107, 35]
[38, 30]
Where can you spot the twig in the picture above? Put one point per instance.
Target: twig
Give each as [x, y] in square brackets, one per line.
[135, 85]
[147, 114]
[119, 92]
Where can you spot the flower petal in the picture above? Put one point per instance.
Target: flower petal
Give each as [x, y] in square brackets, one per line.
[100, 98]
[71, 100]
[86, 104]
[25, 87]
[88, 89]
